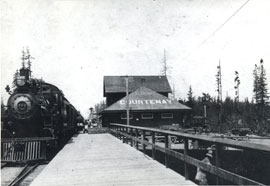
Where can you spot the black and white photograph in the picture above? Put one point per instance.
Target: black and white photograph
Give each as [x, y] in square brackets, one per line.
[135, 92]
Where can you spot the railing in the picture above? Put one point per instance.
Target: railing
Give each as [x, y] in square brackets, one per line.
[132, 133]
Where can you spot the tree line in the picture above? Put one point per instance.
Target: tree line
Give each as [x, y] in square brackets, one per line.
[232, 113]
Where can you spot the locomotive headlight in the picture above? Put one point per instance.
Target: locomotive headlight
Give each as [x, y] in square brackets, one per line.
[20, 81]
[22, 106]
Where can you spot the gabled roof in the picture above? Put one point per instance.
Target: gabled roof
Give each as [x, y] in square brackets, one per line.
[117, 84]
[146, 99]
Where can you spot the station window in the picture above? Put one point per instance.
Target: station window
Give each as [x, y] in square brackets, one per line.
[147, 116]
[124, 116]
[166, 115]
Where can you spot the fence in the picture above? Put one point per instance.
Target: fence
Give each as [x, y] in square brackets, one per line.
[133, 133]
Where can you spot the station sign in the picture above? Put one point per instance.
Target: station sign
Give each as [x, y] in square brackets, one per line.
[146, 102]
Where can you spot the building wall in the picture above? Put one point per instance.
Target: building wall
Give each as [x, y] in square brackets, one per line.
[137, 120]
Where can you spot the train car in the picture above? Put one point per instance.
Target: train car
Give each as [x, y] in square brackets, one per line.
[38, 118]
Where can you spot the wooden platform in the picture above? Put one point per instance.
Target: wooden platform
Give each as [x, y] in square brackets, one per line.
[101, 159]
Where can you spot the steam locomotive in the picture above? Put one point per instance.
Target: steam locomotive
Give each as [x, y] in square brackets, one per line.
[38, 116]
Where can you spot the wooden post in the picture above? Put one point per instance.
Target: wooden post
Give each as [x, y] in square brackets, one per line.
[127, 101]
[118, 136]
[153, 146]
[137, 135]
[123, 137]
[169, 141]
[166, 146]
[217, 154]
[185, 163]
[143, 138]
[131, 140]
[118, 132]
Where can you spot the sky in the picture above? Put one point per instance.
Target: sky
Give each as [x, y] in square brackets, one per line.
[76, 43]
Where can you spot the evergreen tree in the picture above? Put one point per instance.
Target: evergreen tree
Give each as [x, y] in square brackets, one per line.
[23, 58]
[190, 101]
[255, 83]
[262, 91]
[228, 107]
[99, 107]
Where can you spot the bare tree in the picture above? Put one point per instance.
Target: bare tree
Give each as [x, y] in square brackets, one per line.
[236, 87]
[219, 90]
[165, 67]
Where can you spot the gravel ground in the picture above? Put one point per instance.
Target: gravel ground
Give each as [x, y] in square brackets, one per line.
[8, 174]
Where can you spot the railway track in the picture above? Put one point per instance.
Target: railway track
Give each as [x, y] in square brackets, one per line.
[3, 165]
[17, 174]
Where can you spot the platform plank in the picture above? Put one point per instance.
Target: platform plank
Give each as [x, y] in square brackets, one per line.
[101, 159]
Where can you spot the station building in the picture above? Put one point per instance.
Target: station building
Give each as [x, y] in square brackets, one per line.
[114, 87]
[147, 107]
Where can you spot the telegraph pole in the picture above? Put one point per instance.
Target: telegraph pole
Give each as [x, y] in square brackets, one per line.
[127, 100]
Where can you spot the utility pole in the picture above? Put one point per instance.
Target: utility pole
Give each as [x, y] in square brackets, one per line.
[127, 100]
